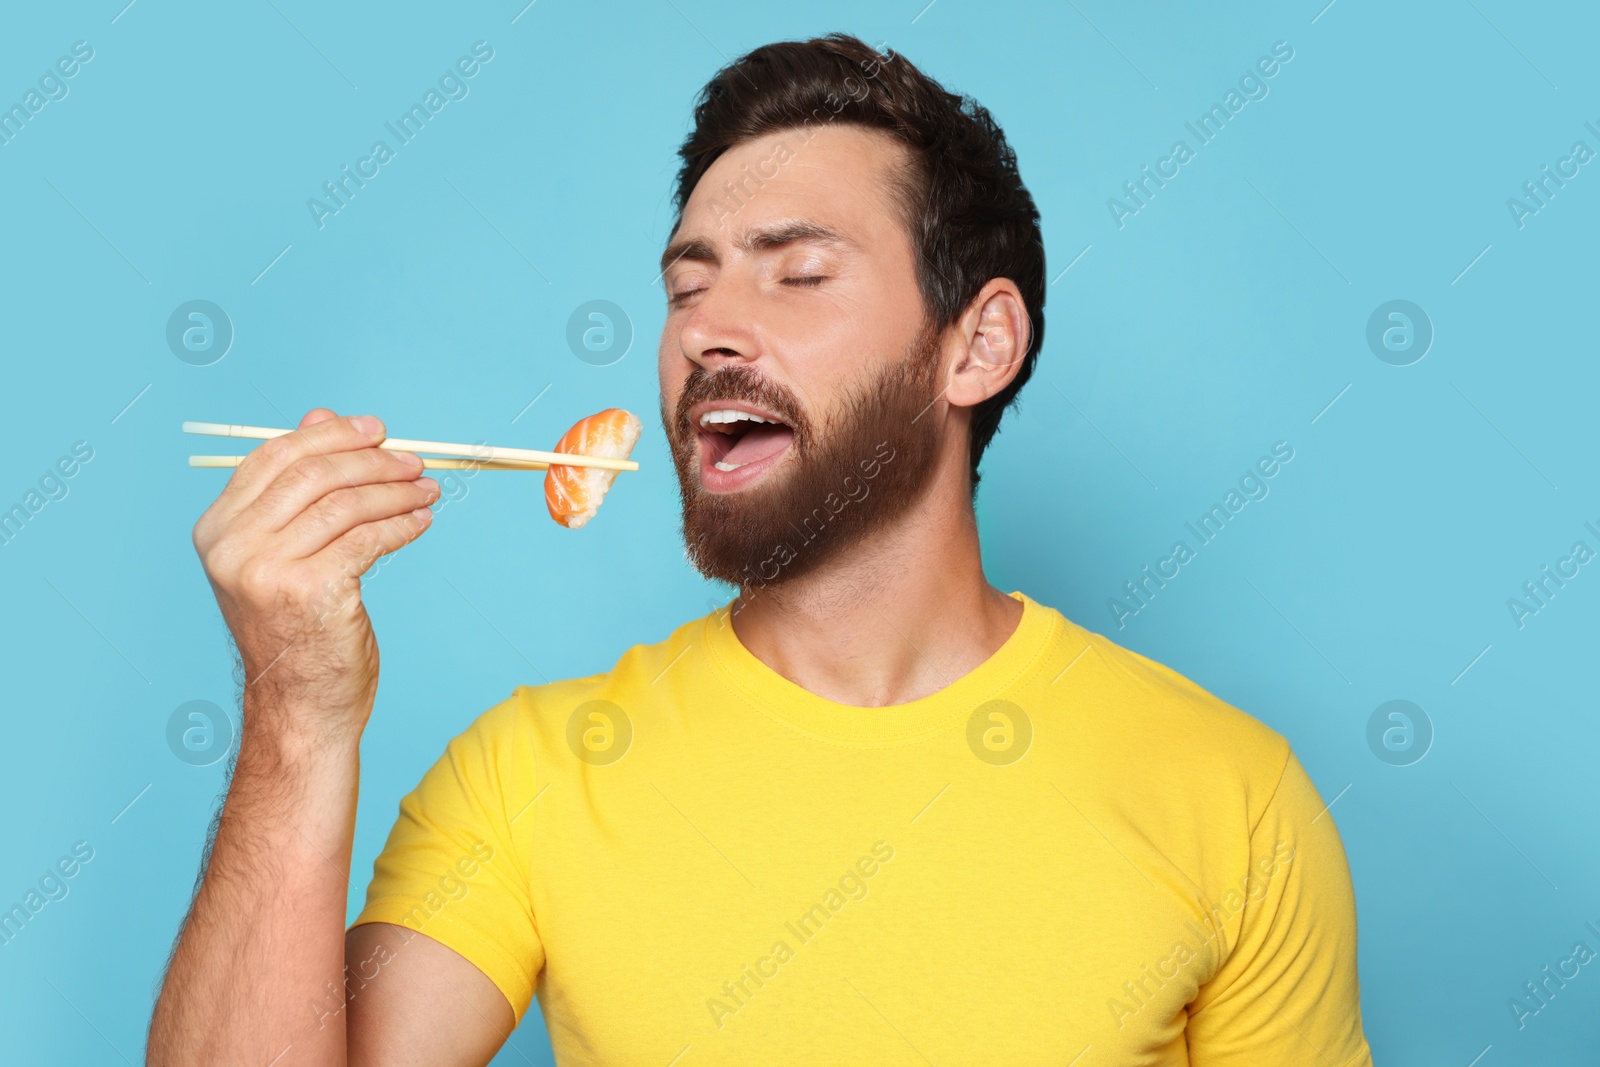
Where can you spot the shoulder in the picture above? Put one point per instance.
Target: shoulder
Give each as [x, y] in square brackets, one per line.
[532, 711]
[1164, 720]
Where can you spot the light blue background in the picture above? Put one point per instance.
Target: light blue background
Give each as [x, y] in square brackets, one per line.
[1223, 317]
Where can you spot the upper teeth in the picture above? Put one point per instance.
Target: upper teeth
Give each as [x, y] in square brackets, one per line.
[729, 415]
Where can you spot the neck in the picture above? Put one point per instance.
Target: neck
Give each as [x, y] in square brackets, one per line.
[894, 618]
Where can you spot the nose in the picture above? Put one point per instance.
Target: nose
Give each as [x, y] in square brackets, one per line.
[720, 329]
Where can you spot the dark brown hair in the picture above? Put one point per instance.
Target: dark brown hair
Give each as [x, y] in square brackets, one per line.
[969, 215]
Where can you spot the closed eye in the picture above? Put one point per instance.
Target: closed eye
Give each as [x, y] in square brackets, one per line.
[806, 281]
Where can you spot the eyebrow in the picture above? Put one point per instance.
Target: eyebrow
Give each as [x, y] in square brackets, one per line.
[700, 250]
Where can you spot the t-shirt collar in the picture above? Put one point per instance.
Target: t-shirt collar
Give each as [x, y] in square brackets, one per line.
[773, 695]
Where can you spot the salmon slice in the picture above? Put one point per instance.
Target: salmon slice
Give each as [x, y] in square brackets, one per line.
[573, 494]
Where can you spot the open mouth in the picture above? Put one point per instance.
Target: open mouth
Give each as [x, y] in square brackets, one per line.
[737, 445]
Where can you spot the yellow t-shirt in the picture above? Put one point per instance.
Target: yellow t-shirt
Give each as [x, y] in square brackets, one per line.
[1070, 851]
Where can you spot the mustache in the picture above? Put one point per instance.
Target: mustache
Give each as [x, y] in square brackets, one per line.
[739, 382]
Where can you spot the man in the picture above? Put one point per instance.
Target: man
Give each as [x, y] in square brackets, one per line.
[872, 811]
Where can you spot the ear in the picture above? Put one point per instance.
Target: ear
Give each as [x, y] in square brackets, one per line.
[994, 333]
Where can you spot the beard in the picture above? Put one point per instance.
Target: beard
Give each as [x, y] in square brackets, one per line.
[866, 467]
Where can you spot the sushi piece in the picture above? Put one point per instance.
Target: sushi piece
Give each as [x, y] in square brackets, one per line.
[573, 494]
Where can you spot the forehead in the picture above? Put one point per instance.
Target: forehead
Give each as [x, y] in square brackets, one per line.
[839, 177]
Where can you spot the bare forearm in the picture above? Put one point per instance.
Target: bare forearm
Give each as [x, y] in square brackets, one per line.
[258, 970]
[257, 976]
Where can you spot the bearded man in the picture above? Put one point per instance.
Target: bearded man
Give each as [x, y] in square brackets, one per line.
[873, 810]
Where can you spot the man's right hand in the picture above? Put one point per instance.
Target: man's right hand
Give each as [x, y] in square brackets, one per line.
[285, 545]
[259, 973]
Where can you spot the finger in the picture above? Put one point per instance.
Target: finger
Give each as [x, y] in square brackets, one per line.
[245, 484]
[355, 552]
[311, 478]
[342, 510]
[315, 437]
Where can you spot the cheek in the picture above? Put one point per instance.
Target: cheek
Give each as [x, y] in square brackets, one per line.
[864, 321]
[669, 375]
[672, 365]
[844, 356]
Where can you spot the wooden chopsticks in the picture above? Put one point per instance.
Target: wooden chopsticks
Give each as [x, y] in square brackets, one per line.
[473, 457]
